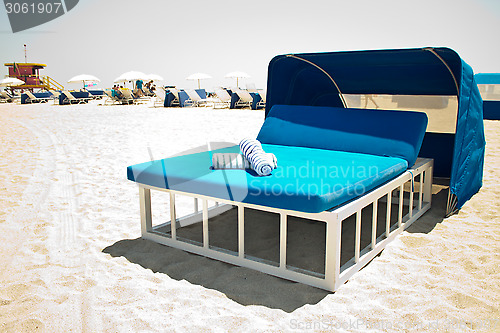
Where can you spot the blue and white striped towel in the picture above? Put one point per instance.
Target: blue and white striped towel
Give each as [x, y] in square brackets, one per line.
[263, 163]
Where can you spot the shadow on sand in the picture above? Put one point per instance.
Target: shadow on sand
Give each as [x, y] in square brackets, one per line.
[305, 248]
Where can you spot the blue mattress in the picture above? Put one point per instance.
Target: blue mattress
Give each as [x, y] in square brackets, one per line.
[307, 179]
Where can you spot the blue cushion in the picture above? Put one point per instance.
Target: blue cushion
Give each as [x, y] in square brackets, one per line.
[183, 97]
[376, 132]
[307, 179]
[202, 93]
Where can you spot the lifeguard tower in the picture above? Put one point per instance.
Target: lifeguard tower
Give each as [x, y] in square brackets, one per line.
[29, 73]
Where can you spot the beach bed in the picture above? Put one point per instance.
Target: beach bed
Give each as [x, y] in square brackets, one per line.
[433, 81]
[332, 163]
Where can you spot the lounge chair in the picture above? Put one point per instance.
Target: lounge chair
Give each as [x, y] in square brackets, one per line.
[131, 99]
[172, 97]
[16, 96]
[96, 94]
[166, 97]
[184, 100]
[148, 92]
[333, 163]
[196, 100]
[55, 93]
[161, 93]
[262, 102]
[244, 98]
[11, 97]
[223, 99]
[251, 88]
[258, 96]
[67, 97]
[31, 98]
[5, 97]
[128, 97]
[110, 98]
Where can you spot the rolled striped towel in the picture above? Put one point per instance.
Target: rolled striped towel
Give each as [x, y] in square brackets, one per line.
[272, 160]
[263, 163]
[248, 146]
[230, 161]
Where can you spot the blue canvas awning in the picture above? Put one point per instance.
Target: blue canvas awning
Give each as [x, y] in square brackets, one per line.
[322, 79]
[487, 78]
[490, 82]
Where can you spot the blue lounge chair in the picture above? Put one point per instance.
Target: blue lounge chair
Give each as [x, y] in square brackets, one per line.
[28, 97]
[171, 97]
[332, 163]
[223, 99]
[74, 97]
[259, 96]
[241, 98]
[198, 98]
[96, 94]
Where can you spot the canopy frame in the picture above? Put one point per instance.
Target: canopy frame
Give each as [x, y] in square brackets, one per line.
[431, 50]
[324, 72]
[458, 156]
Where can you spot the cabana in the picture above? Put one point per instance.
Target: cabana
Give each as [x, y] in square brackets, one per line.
[336, 166]
[342, 159]
[489, 87]
[433, 80]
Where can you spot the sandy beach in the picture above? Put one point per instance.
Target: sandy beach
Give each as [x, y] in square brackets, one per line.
[73, 261]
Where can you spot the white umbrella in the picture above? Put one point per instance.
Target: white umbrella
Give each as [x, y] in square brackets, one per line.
[131, 76]
[83, 78]
[11, 82]
[198, 76]
[154, 77]
[237, 75]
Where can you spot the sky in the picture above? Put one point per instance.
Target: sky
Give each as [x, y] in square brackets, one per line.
[174, 39]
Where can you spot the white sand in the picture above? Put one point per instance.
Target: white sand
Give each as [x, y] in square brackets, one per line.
[72, 258]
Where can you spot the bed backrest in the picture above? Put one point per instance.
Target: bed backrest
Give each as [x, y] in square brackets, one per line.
[376, 132]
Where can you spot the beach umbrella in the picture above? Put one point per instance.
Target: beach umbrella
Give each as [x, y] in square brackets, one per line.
[153, 77]
[198, 77]
[11, 82]
[237, 75]
[130, 76]
[83, 78]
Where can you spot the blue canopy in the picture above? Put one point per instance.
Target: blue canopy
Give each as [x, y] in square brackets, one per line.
[487, 78]
[491, 107]
[321, 79]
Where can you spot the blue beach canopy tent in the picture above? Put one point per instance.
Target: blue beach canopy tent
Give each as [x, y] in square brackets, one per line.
[433, 80]
[489, 88]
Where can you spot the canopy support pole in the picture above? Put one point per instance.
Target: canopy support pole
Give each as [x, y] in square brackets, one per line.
[451, 205]
[324, 72]
[431, 50]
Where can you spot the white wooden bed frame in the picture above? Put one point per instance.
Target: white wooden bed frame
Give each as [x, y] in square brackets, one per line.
[334, 275]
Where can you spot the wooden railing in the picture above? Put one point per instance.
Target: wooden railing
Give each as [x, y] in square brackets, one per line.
[51, 83]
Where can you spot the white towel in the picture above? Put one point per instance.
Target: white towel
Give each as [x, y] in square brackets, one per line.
[229, 161]
[263, 163]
